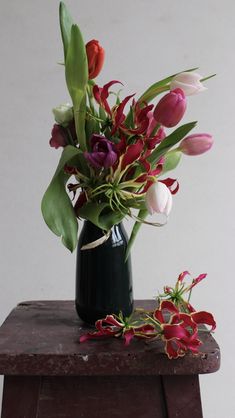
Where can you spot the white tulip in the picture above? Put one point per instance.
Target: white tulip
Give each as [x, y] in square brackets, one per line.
[63, 113]
[188, 82]
[159, 199]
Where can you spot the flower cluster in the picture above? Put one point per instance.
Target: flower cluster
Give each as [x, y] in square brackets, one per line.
[117, 149]
[174, 321]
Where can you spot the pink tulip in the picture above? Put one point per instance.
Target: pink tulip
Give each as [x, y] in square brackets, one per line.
[170, 109]
[159, 199]
[188, 82]
[196, 144]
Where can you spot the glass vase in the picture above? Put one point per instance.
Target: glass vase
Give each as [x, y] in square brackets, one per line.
[103, 277]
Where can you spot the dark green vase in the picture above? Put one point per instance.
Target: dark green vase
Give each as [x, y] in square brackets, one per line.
[103, 278]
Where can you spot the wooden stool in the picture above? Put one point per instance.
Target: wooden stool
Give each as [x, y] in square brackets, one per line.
[49, 374]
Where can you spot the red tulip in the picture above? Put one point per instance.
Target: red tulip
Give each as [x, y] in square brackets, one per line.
[95, 57]
[170, 110]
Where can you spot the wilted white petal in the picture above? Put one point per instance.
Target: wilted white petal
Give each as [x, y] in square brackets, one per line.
[189, 82]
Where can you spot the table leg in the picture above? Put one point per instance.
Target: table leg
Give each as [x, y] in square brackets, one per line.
[102, 397]
[20, 396]
[182, 396]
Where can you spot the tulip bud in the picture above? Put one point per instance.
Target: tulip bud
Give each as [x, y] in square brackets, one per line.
[63, 113]
[170, 109]
[158, 199]
[95, 57]
[171, 160]
[104, 153]
[188, 82]
[196, 144]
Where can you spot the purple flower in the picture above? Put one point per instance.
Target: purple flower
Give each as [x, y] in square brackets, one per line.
[104, 154]
[58, 137]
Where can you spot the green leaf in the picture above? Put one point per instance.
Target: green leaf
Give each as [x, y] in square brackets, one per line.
[102, 114]
[141, 215]
[159, 87]
[172, 159]
[76, 73]
[56, 205]
[100, 215]
[170, 141]
[65, 26]
[76, 68]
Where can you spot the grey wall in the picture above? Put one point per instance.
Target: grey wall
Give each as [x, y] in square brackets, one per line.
[144, 40]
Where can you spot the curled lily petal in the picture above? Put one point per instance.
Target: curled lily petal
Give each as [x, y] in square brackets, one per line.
[169, 182]
[182, 276]
[203, 317]
[102, 93]
[173, 350]
[169, 306]
[198, 280]
[119, 116]
[133, 153]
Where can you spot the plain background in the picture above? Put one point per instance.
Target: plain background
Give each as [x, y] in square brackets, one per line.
[145, 40]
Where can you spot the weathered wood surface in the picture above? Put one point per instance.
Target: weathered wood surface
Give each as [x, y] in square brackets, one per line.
[182, 396]
[42, 338]
[101, 397]
[20, 396]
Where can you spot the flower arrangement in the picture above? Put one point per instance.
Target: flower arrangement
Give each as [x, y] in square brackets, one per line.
[174, 321]
[118, 150]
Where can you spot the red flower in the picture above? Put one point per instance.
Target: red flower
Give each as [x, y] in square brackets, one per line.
[58, 137]
[112, 326]
[170, 183]
[133, 153]
[107, 327]
[180, 330]
[156, 139]
[95, 57]
[171, 108]
[118, 115]
[102, 93]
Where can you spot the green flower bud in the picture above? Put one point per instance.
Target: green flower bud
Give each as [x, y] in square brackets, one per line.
[63, 113]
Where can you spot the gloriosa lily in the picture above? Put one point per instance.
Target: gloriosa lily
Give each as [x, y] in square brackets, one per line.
[173, 321]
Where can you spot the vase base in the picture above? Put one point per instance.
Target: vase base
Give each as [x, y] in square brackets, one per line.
[91, 315]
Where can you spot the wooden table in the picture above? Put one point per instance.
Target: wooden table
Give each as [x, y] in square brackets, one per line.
[49, 374]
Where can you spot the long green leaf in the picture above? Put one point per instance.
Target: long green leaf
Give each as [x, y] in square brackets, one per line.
[159, 87]
[76, 73]
[65, 26]
[56, 206]
[170, 141]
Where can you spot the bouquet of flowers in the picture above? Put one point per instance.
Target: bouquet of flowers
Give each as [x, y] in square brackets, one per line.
[117, 150]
